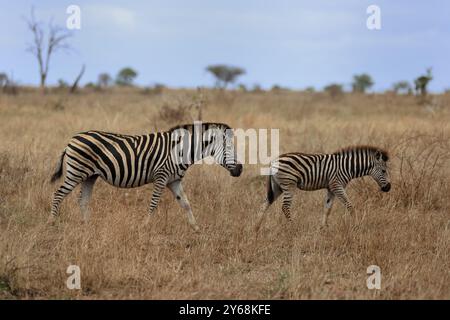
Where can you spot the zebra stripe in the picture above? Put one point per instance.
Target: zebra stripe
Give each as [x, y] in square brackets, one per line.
[324, 171]
[131, 161]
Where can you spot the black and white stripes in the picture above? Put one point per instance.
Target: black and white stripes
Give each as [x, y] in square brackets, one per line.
[128, 161]
[324, 171]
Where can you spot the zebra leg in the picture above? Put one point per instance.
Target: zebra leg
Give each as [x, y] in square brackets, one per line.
[157, 192]
[340, 193]
[328, 205]
[287, 201]
[61, 193]
[178, 192]
[85, 195]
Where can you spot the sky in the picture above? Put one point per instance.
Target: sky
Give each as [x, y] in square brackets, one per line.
[294, 44]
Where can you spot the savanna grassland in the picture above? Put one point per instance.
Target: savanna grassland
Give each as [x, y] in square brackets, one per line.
[406, 231]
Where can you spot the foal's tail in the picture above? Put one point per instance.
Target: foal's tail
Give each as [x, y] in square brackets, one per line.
[270, 194]
[59, 168]
[269, 200]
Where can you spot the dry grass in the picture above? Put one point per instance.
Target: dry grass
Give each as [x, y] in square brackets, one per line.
[405, 232]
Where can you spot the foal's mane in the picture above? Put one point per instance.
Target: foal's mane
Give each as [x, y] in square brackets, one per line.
[371, 149]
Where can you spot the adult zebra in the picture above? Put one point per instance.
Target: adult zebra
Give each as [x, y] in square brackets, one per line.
[129, 161]
[324, 171]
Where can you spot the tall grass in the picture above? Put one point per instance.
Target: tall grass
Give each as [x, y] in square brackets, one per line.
[405, 232]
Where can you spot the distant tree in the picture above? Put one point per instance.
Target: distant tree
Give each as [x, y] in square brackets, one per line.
[276, 88]
[62, 84]
[334, 90]
[225, 74]
[310, 89]
[126, 76]
[362, 82]
[104, 80]
[56, 40]
[402, 87]
[257, 88]
[156, 89]
[8, 84]
[3, 79]
[159, 88]
[421, 83]
[90, 85]
[242, 87]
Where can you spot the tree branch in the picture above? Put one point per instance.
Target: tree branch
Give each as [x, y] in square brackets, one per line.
[75, 83]
[56, 40]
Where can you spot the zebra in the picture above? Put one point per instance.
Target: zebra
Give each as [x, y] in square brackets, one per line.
[129, 161]
[324, 171]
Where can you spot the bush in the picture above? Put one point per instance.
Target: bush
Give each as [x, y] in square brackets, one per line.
[157, 89]
[402, 87]
[242, 87]
[335, 90]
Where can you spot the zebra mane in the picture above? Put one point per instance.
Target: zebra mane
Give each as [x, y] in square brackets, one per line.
[371, 149]
[206, 125]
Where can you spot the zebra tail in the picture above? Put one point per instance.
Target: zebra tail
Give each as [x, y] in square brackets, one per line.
[270, 195]
[59, 168]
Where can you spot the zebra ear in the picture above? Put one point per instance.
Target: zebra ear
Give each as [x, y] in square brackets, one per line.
[378, 155]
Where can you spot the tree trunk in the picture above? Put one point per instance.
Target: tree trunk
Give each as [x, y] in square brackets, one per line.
[43, 78]
[75, 83]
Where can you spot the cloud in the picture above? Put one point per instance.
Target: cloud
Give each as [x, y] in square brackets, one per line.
[109, 16]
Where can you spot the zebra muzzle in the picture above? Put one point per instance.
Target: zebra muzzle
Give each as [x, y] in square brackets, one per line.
[386, 187]
[236, 172]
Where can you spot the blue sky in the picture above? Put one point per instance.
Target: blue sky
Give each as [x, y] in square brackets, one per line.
[290, 43]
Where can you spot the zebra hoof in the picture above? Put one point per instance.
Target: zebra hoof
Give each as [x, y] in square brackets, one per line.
[51, 220]
[196, 228]
[147, 220]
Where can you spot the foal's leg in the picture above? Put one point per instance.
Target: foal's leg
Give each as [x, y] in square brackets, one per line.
[339, 192]
[288, 193]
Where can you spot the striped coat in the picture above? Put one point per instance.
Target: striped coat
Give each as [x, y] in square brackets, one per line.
[324, 171]
[128, 161]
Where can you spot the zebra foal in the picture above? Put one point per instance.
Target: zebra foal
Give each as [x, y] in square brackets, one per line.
[127, 161]
[324, 171]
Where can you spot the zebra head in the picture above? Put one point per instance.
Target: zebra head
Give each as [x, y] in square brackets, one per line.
[220, 145]
[379, 171]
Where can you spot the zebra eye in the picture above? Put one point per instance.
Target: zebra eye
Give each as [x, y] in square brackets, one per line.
[383, 171]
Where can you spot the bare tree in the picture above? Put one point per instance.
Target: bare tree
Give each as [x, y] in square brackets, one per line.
[56, 40]
[77, 80]
[104, 80]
